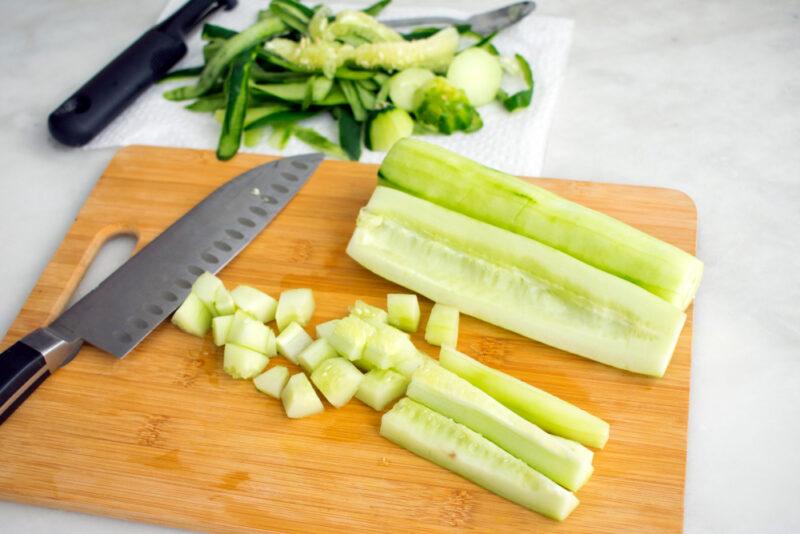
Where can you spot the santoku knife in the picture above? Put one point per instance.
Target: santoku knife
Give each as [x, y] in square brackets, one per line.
[134, 299]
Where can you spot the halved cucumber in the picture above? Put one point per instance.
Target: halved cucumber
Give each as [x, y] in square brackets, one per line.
[193, 317]
[292, 341]
[220, 326]
[552, 414]
[405, 83]
[205, 287]
[369, 313]
[349, 337]
[565, 462]
[337, 379]
[455, 447]
[299, 398]
[254, 302]
[252, 334]
[380, 387]
[241, 362]
[295, 305]
[442, 327]
[478, 73]
[387, 346]
[324, 330]
[514, 282]
[403, 311]
[223, 302]
[314, 354]
[273, 381]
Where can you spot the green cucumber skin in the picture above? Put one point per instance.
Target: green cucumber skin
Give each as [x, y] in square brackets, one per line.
[547, 411]
[463, 185]
[565, 462]
[514, 282]
[464, 452]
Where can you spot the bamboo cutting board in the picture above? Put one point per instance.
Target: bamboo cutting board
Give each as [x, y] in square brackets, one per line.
[164, 436]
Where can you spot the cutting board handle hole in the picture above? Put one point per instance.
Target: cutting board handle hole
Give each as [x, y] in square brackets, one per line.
[105, 254]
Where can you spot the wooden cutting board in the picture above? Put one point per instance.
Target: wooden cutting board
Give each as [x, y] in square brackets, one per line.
[164, 436]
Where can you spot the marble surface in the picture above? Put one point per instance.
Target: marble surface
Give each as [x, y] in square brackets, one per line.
[699, 96]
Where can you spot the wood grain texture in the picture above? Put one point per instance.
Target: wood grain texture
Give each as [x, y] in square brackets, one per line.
[164, 436]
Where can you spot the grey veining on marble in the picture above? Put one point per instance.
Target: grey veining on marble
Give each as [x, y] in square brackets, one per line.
[702, 96]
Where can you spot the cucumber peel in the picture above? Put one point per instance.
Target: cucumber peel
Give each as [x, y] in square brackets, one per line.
[192, 316]
[337, 379]
[255, 303]
[292, 341]
[273, 381]
[442, 327]
[299, 398]
[295, 305]
[380, 387]
[403, 311]
[241, 362]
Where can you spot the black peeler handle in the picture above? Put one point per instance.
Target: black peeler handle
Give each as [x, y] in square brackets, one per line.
[83, 115]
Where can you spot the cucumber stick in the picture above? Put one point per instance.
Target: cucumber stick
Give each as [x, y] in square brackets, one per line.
[566, 462]
[458, 183]
[442, 327]
[292, 341]
[403, 311]
[273, 381]
[380, 387]
[299, 398]
[455, 447]
[552, 414]
[338, 380]
[514, 282]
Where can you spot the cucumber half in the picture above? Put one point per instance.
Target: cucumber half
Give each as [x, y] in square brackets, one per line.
[273, 381]
[381, 387]
[455, 447]
[338, 380]
[442, 327]
[299, 398]
[514, 282]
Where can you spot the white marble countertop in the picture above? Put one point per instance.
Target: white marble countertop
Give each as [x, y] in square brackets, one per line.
[698, 96]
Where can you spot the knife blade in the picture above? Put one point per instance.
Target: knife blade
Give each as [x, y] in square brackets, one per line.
[483, 23]
[138, 296]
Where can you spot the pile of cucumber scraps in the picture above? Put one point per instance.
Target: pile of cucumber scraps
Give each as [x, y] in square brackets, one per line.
[379, 85]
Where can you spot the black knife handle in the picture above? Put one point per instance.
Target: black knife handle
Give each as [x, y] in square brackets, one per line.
[22, 370]
[83, 115]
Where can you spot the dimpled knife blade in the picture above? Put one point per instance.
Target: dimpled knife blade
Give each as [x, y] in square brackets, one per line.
[135, 298]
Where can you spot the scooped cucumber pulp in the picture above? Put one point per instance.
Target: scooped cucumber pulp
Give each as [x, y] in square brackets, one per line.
[514, 282]
[455, 447]
[338, 380]
[566, 462]
[193, 317]
[552, 414]
[380, 387]
[460, 184]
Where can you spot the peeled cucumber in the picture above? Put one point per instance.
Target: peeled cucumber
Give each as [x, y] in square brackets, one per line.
[294, 305]
[514, 282]
[458, 183]
[455, 447]
[255, 303]
[314, 354]
[380, 387]
[337, 379]
[299, 398]
[241, 362]
[442, 327]
[403, 311]
[292, 341]
[193, 317]
[552, 414]
[478, 73]
[252, 334]
[273, 381]
[220, 326]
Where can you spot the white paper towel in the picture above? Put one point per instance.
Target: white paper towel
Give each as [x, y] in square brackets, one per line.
[513, 142]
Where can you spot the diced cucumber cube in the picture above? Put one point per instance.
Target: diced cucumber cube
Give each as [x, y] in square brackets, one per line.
[205, 287]
[403, 311]
[223, 302]
[241, 362]
[299, 398]
[369, 313]
[380, 387]
[220, 326]
[411, 362]
[324, 330]
[364, 365]
[251, 333]
[292, 341]
[192, 316]
[338, 379]
[315, 353]
[442, 327]
[256, 303]
[295, 305]
[349, 337]
[387, 346]
[273, 381]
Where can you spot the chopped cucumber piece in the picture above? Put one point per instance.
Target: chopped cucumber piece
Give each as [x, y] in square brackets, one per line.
[381, 387]
[241, 362]
[403, 311]
[292, 341]
[564, 461]
[405, 83]
[458, 183]
[552, 414]
[254, 302]
[435, 53]
[223, 302]
[350, 336]
[457, 448]
[337, 379]
[220, 326]
[388, 127]
[368, 313]
[273, 381]
[386, 347]
[193, 317]
[315, 353]
[252, 334]
[324, 330]
[478, 73]
[442, 327]
[205, 287]
[299, 398]
[295, 305]
[411, 362]
[515, 282]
